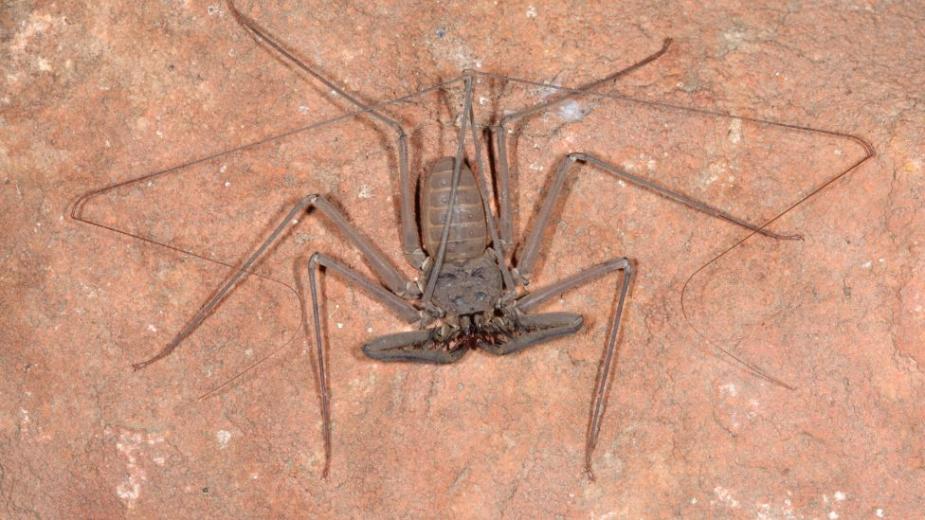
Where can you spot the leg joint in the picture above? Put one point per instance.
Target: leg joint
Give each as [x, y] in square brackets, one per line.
[309, 200]
[316, 259]
[623, 263]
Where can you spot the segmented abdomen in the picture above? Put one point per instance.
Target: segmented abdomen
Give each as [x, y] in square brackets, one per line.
[468, 230]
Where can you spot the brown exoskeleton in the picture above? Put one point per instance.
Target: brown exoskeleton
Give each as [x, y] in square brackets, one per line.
[470, 294]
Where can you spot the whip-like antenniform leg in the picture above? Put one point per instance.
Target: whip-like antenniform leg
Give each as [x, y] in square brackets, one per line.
[410, 240]
[500, 131]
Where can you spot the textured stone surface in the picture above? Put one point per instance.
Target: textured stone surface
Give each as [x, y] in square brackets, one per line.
[230, 426]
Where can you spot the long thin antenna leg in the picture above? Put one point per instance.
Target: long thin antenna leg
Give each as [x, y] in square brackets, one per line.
[454, 185]
[501, 131]
[393, 279]
[411, 241]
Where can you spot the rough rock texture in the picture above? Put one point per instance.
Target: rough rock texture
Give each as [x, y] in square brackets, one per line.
[230, 426]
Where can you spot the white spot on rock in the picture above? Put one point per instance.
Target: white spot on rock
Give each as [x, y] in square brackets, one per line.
[365, 192]
[735, 131]
[840, 496]
[129, 445]
[223, 436]
[24, 420]
[725, 496]
[734, 38]
[531, 11]
[129, 490]
[571, 111]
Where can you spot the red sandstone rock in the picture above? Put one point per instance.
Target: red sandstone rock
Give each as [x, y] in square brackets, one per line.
[230, 426]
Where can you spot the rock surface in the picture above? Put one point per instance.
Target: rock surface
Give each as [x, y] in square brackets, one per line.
[229, 426]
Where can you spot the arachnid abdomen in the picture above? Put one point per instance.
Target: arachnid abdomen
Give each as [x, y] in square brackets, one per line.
[468, 229]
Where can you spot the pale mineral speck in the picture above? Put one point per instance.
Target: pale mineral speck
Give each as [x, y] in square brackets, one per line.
[130, 488]
[734, 38]
[878, 512]
[729, 389]
[531, 11]
[833, 515]
[129, 491]
[365, 192]
[840, 495]
[152, 328]
[571, 111]
[735, 131]
[340, 325]
[725, 496]
[223, 436]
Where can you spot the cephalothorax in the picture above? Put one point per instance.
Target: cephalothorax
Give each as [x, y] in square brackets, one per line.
[470, 292]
